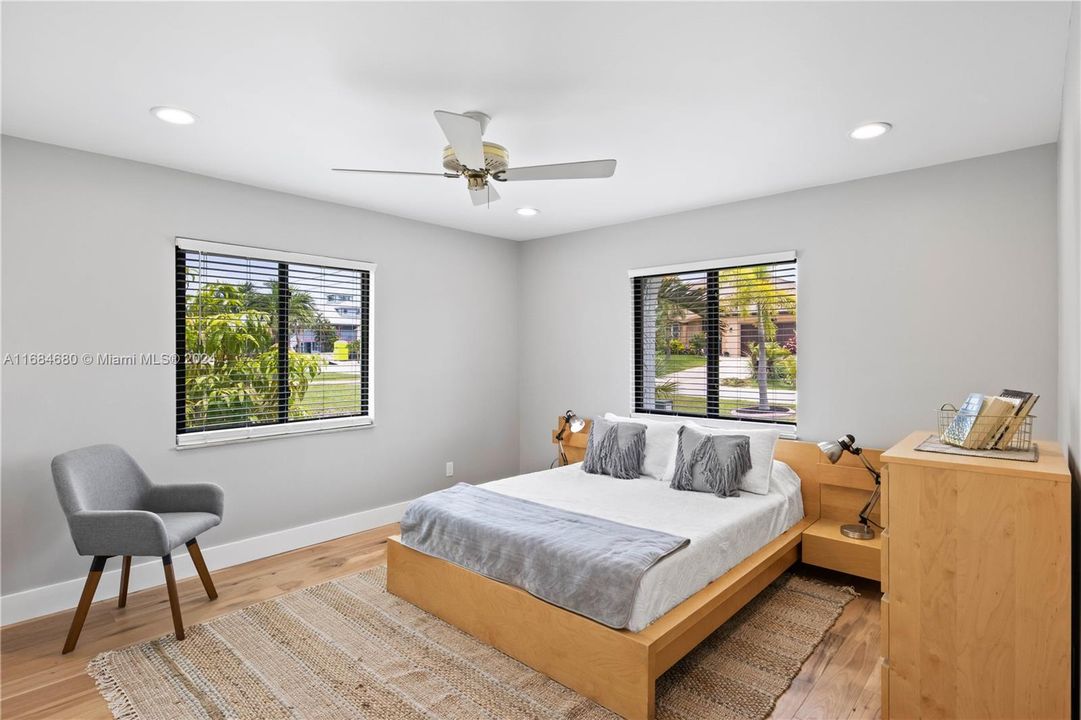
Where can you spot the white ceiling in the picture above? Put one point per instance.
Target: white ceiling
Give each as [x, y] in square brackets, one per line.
[700, 103]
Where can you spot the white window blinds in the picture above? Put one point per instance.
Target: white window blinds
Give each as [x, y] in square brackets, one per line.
[269, 343]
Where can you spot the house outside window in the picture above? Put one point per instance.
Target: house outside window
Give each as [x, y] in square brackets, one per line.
[258, 345]
[717, 340]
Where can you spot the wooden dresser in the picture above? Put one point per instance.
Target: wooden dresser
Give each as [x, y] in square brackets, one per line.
[976, 583]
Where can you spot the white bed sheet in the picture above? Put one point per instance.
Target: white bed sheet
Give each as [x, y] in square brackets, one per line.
[722, 531]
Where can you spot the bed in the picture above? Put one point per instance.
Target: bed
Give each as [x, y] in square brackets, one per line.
[681, 599]
[722, 531]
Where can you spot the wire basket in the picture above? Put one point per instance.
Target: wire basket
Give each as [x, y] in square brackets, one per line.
[986, 427]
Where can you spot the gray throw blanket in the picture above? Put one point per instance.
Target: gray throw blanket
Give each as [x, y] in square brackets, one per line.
[579, 562]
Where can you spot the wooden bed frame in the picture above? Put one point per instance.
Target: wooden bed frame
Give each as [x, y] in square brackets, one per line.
[616, 668]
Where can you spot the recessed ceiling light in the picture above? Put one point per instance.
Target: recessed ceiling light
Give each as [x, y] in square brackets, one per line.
[176, 116]
[527, 212]
[870, 130]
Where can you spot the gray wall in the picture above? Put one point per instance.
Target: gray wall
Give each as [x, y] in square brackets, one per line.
[914, 289]
[88, 267]
[1069, 254]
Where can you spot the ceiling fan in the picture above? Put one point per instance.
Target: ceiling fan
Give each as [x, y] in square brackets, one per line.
[480, 162]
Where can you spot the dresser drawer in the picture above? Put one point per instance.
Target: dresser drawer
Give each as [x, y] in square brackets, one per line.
[884, 498]
[884, 510]
[885, 564]
[884, 627]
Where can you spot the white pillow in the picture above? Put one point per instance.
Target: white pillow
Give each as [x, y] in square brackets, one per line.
[662, 440]
[783, 478]
[785, 481]
[763, 442]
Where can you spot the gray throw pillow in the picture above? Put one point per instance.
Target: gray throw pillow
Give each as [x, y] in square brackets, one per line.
[615, 448]
[711, 463]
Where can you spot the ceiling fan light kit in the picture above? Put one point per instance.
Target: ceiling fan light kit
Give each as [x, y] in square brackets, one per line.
[496, 159]
[468, 155]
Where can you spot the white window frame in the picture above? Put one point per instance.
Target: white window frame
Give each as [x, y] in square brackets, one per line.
[207, 438]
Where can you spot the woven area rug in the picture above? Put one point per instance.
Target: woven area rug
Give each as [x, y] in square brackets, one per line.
[348, 649]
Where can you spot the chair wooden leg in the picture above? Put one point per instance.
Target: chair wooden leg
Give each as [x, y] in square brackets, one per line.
[87, 598]
[174, 601]
[200, 567]
[125, 573]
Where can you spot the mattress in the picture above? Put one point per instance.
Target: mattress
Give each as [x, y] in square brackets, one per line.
[723, 531]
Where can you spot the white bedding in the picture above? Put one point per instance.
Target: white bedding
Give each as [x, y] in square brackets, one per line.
[722, 531]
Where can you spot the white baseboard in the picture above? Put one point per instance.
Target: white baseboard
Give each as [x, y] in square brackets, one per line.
[16, 607]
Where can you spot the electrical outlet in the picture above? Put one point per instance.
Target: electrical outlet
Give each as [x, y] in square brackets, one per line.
[450, 469]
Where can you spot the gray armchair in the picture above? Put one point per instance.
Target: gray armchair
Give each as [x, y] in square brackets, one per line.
[113, 508]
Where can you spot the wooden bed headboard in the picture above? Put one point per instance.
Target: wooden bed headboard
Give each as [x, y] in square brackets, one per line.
[832, 491]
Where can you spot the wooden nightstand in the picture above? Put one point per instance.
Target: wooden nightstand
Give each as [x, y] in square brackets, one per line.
[843, 489]
[825, 546]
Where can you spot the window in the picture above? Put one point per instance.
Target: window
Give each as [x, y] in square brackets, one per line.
[735, 358]
[258, 353]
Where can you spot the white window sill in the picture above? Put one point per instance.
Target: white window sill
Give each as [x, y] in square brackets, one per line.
[788, 432]
[208, 438]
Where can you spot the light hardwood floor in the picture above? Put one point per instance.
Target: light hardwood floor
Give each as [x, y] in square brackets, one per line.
[840, 680]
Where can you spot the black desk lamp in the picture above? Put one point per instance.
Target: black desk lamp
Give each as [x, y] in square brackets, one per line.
[575, 423]
[833, 451]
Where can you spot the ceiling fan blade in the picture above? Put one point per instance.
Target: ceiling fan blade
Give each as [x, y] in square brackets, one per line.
[464, 135]
[484, 195]
[561, 171]
[395, 172]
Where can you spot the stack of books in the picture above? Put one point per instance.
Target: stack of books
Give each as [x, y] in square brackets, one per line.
[989, 422]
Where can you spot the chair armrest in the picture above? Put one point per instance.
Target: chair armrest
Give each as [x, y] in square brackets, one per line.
[118, 532]
[186, 497]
